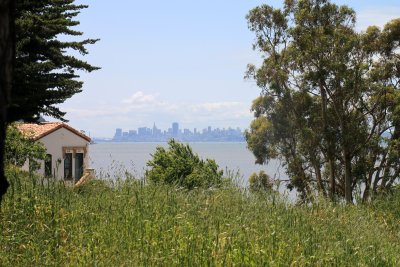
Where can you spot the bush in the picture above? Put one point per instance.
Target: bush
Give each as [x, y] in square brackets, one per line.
[179, 165]
[260, 182]
[94, 187]
[19, 148]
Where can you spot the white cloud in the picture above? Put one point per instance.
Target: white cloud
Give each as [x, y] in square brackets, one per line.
[143, 101]
[140, 98]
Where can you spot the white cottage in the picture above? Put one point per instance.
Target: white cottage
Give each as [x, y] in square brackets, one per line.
[67, 149]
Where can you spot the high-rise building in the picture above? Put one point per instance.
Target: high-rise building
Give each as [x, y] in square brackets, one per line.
[155, 130]
[175, 129]
[144, 131]
[118, 133]
[132, 133]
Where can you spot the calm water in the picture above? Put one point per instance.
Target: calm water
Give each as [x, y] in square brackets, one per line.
[114, 158]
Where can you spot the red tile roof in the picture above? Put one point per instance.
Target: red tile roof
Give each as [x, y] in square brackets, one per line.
[39, 130]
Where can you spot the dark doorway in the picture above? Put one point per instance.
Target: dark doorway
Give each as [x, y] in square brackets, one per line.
[68, 166]
[78, 165]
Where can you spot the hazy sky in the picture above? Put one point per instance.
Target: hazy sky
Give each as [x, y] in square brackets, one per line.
[165, 61]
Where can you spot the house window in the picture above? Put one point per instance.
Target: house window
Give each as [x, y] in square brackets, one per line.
[68, 166]
[48, 165]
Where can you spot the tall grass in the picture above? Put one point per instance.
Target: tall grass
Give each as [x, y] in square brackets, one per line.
[129, 224]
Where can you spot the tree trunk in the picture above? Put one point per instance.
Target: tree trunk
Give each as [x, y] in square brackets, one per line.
[367, 190]
[318, 174]
[332, 183]
[348, 192]
[328, 138]
[7, 48]
[348, 189]
[376, 181]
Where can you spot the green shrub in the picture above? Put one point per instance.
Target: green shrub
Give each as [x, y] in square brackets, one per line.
[94, 186]
[260, 182]
[181, 166]
[18, 149]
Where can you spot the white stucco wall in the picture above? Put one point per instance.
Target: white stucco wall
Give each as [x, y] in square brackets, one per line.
[56, 143]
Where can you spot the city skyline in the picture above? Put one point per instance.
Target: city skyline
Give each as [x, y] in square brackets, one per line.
[145, 133]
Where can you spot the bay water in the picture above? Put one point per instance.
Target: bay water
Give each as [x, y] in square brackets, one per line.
[115, 159]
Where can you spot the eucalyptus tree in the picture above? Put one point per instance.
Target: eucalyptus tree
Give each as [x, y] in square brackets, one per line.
[329, 100]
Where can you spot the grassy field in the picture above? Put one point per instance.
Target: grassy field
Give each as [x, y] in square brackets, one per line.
[134, 225]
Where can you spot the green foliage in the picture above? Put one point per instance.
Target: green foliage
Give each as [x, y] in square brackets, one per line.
[19, 149]
[180, 166]
[45, 71]
[329, 105]
[260, 182]
[94, 186]
[387, 207]
[50, 224]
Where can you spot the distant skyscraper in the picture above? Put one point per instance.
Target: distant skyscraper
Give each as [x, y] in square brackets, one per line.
[144, 131]
[155, 132]
[132, 133]
[175, 129]
[118, 133]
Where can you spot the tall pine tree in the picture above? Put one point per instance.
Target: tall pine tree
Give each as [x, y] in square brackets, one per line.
[45, 74]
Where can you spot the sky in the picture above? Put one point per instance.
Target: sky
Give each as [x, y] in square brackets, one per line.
[175, 61]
